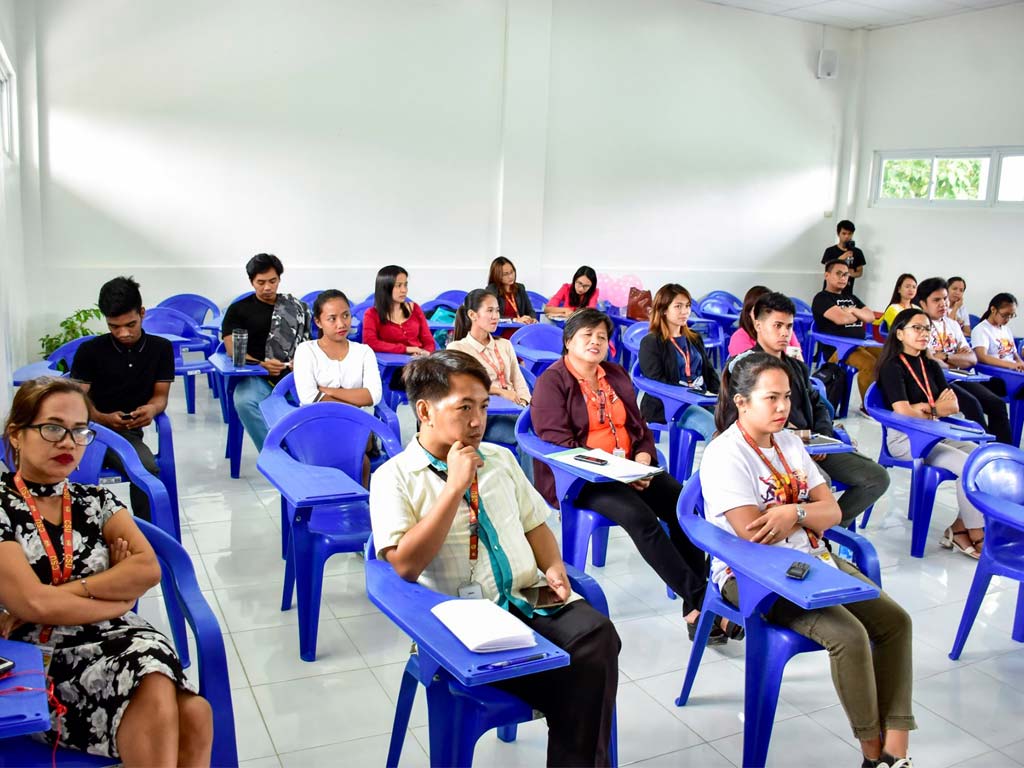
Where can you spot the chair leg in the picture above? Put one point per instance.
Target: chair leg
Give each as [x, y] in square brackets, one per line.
[864, 518]
[924, 481]
[305, 572]
[982, 578]
[1018, 620]
[190, 393]
[403, 709]
[686, 448]
[700, 641]
[761, 694]
[288, 589]
[453, 727]
[598, 547]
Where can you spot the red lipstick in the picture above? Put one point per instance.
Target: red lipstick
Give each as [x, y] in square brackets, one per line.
[64, 458]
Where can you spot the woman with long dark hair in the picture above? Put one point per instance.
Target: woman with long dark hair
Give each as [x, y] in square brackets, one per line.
[582, 292]
[394, 324]
[903, 294]
[761, 485]
[991, 338]
[513, 300]
[914, 385]
[674, 353]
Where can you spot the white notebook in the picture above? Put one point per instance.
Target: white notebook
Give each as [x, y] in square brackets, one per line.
[614, 467]
[482, 626]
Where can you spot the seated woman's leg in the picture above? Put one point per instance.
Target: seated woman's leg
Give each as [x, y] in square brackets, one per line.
[195, 730]
[148, 734]
[699, 420]
[577, 700]
[680, 564]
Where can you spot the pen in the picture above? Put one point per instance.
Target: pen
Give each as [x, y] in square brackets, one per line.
[515, 662]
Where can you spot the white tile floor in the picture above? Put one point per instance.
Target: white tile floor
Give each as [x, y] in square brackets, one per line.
[339, 709]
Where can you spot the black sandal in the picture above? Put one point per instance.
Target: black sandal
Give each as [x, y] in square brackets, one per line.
[734, 631]
[716, 637]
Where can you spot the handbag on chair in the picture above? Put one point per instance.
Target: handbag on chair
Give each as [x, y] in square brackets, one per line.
[639, 304]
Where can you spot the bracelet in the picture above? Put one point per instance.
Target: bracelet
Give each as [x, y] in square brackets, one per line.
[86, 588]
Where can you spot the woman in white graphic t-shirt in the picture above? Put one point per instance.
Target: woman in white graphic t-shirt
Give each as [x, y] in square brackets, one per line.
[991, 338]
[760, 484]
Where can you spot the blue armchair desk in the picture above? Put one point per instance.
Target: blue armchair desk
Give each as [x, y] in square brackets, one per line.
[230, 374]
[1014, 381]
[676, 399]
[26, 712]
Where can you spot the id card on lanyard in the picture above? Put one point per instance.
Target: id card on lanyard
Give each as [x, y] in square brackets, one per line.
[58, 574]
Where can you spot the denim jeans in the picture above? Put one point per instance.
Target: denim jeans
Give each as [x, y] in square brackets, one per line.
[699, 420]
[250, 392]
[502, 429]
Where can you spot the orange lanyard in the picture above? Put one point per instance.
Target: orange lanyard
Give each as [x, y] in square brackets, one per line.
[515, 307]
[474, 516]
[58, 576]
[604, 398]
[497, 365]
[926, 386]
[686, 357]
[787, 482]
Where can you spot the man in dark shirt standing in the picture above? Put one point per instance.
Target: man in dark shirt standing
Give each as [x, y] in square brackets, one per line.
[865, 480]
[846, 250]
[276, 323]
[128, 374]
[840, 314]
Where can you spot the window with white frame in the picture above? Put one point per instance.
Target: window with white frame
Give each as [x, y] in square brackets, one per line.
[7, 111]
[987, 176]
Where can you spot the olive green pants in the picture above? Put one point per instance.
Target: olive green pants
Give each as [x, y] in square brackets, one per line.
[870, 652]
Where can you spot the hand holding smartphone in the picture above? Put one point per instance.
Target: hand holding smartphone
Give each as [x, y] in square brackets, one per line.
[542, 596]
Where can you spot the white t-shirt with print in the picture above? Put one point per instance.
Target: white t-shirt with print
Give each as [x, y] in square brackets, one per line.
[996, 342]
[732, 476]
[946, 336]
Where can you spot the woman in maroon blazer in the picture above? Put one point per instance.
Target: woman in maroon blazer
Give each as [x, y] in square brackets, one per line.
[584, 400]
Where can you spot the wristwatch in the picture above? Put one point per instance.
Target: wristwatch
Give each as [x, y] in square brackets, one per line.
[801, 514]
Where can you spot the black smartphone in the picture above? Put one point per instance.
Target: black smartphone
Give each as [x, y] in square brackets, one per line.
[125, 416]
[6, 665]
[798, 570]
[542, 596]
[591, 460]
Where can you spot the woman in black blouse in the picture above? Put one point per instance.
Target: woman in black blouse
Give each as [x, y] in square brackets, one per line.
[914, 385]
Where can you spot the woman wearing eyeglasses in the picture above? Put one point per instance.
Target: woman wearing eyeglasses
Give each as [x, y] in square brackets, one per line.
[991, 338]
[914, 385]
[72, 565]
[583, 400]
[582, 292]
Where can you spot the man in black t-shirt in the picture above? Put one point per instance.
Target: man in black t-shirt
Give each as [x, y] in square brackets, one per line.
[846, 250]
[840, 314]
[128, 375]
[276, 323]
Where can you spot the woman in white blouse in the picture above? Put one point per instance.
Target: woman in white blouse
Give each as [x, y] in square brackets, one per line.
[476, 320]
[761, 485]
[991, 338]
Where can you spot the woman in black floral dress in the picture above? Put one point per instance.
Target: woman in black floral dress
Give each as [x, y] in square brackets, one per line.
[79, 603]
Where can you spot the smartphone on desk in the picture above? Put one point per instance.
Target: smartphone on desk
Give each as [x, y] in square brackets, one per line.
[6, 665]
[590, 460]
[542, 596]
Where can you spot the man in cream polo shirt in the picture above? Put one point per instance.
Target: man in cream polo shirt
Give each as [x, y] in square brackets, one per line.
[422, 509]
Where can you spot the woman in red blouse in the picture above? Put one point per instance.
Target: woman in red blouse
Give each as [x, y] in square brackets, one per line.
[393, 324]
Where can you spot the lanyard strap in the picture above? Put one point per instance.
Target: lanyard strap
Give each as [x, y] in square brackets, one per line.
[497, 365]
[926, 386]
[515, 307]
[59, 575]
[685, 353]
[605, 397]
[787, 482]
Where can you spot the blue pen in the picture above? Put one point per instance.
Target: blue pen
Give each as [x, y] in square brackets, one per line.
[515, 662]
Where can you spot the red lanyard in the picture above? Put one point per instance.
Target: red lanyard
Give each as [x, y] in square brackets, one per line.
[925, 387]
[515, 307]
[474, 515]
[686, 357]
[497, 365]
[58, 576]
[604, 399]
[787, 482]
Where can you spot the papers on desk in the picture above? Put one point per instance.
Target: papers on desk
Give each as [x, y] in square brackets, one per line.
[482, 626]
[615, 468]
[819, 439]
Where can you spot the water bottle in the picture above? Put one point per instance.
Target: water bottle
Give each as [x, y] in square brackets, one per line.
[239, 346]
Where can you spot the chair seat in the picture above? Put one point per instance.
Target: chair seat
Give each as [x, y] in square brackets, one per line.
[342, 521]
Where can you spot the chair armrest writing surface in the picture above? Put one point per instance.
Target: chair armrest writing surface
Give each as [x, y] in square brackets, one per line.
[764, 568]
[671, 395]
[864, 555]
[34, 371]
[536, 355]
[305, 485]
[408, 605]
[222, 362]
[26, 712]
[829, 448]
[588, 588]
[499, 406]
[274, 409]
[1000, 510]
[389, 417]
[954, 376]
[1014, 379]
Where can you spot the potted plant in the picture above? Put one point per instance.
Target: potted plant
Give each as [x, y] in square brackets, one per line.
[72, 327]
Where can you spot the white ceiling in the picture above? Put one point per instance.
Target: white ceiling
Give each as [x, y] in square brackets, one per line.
[862, 14]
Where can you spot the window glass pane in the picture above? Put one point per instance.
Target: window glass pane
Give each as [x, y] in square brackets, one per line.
[961, 178]
[906, 179]
[1011, 180]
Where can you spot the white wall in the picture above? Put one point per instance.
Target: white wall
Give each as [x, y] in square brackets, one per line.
[668, 138]
[952, 82]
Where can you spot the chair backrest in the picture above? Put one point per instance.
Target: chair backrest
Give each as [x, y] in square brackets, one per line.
[633, 335]
[974, 320]
[802, 307]
[428, 307]
[310, 297]
[873, 399]
[734, 303]
[530, 376]
[331, 435]
[64, 355]
[454, 295]
[997, 470]
[539, 336]
[195, 306]
[281, 401]
[537, 300]
[172, 321]
[819, 385]
[692, 497]
[713, 305]
[239, 297]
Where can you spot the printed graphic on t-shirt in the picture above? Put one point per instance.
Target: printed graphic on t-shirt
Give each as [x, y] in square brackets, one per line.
[773, 494]
[1004, 348]
[942, 339]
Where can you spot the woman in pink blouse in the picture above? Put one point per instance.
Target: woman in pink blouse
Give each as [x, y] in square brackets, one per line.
[570, 297]
[393, 324]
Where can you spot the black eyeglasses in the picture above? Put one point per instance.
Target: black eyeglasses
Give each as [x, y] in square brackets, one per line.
[54, 433]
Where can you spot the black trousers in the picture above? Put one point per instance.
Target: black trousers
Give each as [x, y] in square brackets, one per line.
[140, 501]
[980, 402]
[675, 558]
[579, 700]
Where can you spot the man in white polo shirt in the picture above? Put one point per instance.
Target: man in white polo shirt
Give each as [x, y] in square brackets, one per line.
[459, 517]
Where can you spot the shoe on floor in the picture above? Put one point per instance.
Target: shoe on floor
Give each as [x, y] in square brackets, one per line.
[716, 637]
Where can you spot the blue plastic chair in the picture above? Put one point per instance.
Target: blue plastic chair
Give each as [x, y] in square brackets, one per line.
[455, 296]
[357, 318]
[308, 300]
[459, 714]
[537, 301]
[994, 482]
[925, 479]
[538, 345]
[760, 574]
[57, 363]
[305, 458]
[197, 307]
[181, 590]
[171, 321]
[721, 310]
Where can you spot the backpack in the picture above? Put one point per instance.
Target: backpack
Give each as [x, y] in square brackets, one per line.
[833, 376]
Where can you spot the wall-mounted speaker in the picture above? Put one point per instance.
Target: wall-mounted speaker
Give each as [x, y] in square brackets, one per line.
[828, 64]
